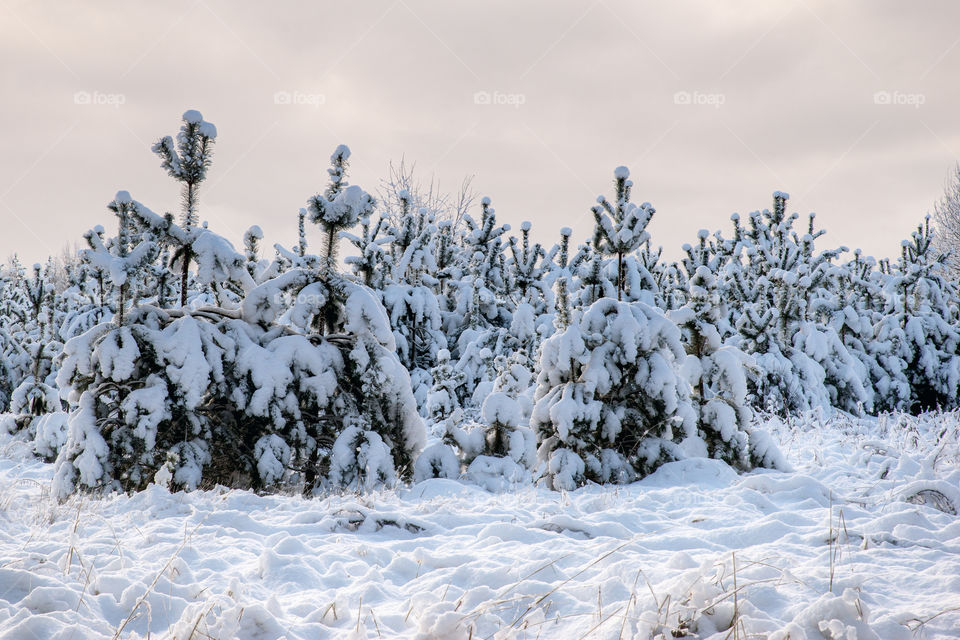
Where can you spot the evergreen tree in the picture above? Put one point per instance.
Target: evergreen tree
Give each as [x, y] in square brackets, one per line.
[715, 372]
[620, 230]
[774, 276]
[187, 161]
[610, 404]
[918, 334]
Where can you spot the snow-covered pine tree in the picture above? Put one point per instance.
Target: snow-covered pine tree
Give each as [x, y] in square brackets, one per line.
[918, 334]
[667, 282]
[619, 231]
[449, 257]
[484, 284]
[504, 450]
[564, 309]
[87, 300]
[715, 372]
[610, 403]
[530, 280]
[371, 266]
[339, 207]
[410, 300]
[251, 250]
[526, 268]
[851, 304]
[443, 401]
[32, 346]
[484, 304]
[129, 382]
[349, 417]
[772, 278]
[187, 161]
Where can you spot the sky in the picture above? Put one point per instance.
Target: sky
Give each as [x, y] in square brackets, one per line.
[849, 107]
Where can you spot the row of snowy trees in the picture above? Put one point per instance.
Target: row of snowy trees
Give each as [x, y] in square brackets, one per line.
[444, 345]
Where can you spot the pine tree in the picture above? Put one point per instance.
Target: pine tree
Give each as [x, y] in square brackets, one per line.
[610, 404]
[372, 265]
[339, 207]
[918, 334]
[775, 278]
[715, 372]
[410, 300]
[443, 401]
[187, 162]
[621, 230]
[526, 267]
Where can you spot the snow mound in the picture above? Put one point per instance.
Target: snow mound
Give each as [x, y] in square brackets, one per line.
[853, 544]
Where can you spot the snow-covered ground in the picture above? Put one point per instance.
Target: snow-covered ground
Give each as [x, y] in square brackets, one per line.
[857, 542]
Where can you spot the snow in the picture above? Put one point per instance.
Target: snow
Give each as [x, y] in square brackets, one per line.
[207, 129]
[446, 559]
[192, 116]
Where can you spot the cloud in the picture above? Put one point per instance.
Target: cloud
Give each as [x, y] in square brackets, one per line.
[781, 97]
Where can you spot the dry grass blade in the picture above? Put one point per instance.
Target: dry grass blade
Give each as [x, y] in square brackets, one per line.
[633, 599]
[536, 602]
[156, 579]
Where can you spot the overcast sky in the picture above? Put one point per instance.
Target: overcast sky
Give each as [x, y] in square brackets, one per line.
[850, 107]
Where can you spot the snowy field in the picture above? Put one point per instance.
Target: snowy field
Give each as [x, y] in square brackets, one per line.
[861, 541]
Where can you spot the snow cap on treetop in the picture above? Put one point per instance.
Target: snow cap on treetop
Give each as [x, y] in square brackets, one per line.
[703, 234]
[566, 232]
[123, 197]
[207, 129]
[485, 200]
[443, 355]
[621, 173]
[192, 116]
[525, 226]
[255, 231]
[781, 194]
[342, 152]
[37, 266]
[404, 194]
[500, 408]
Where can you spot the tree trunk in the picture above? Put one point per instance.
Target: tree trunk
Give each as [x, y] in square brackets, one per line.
[184, 275]
[619, 277]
